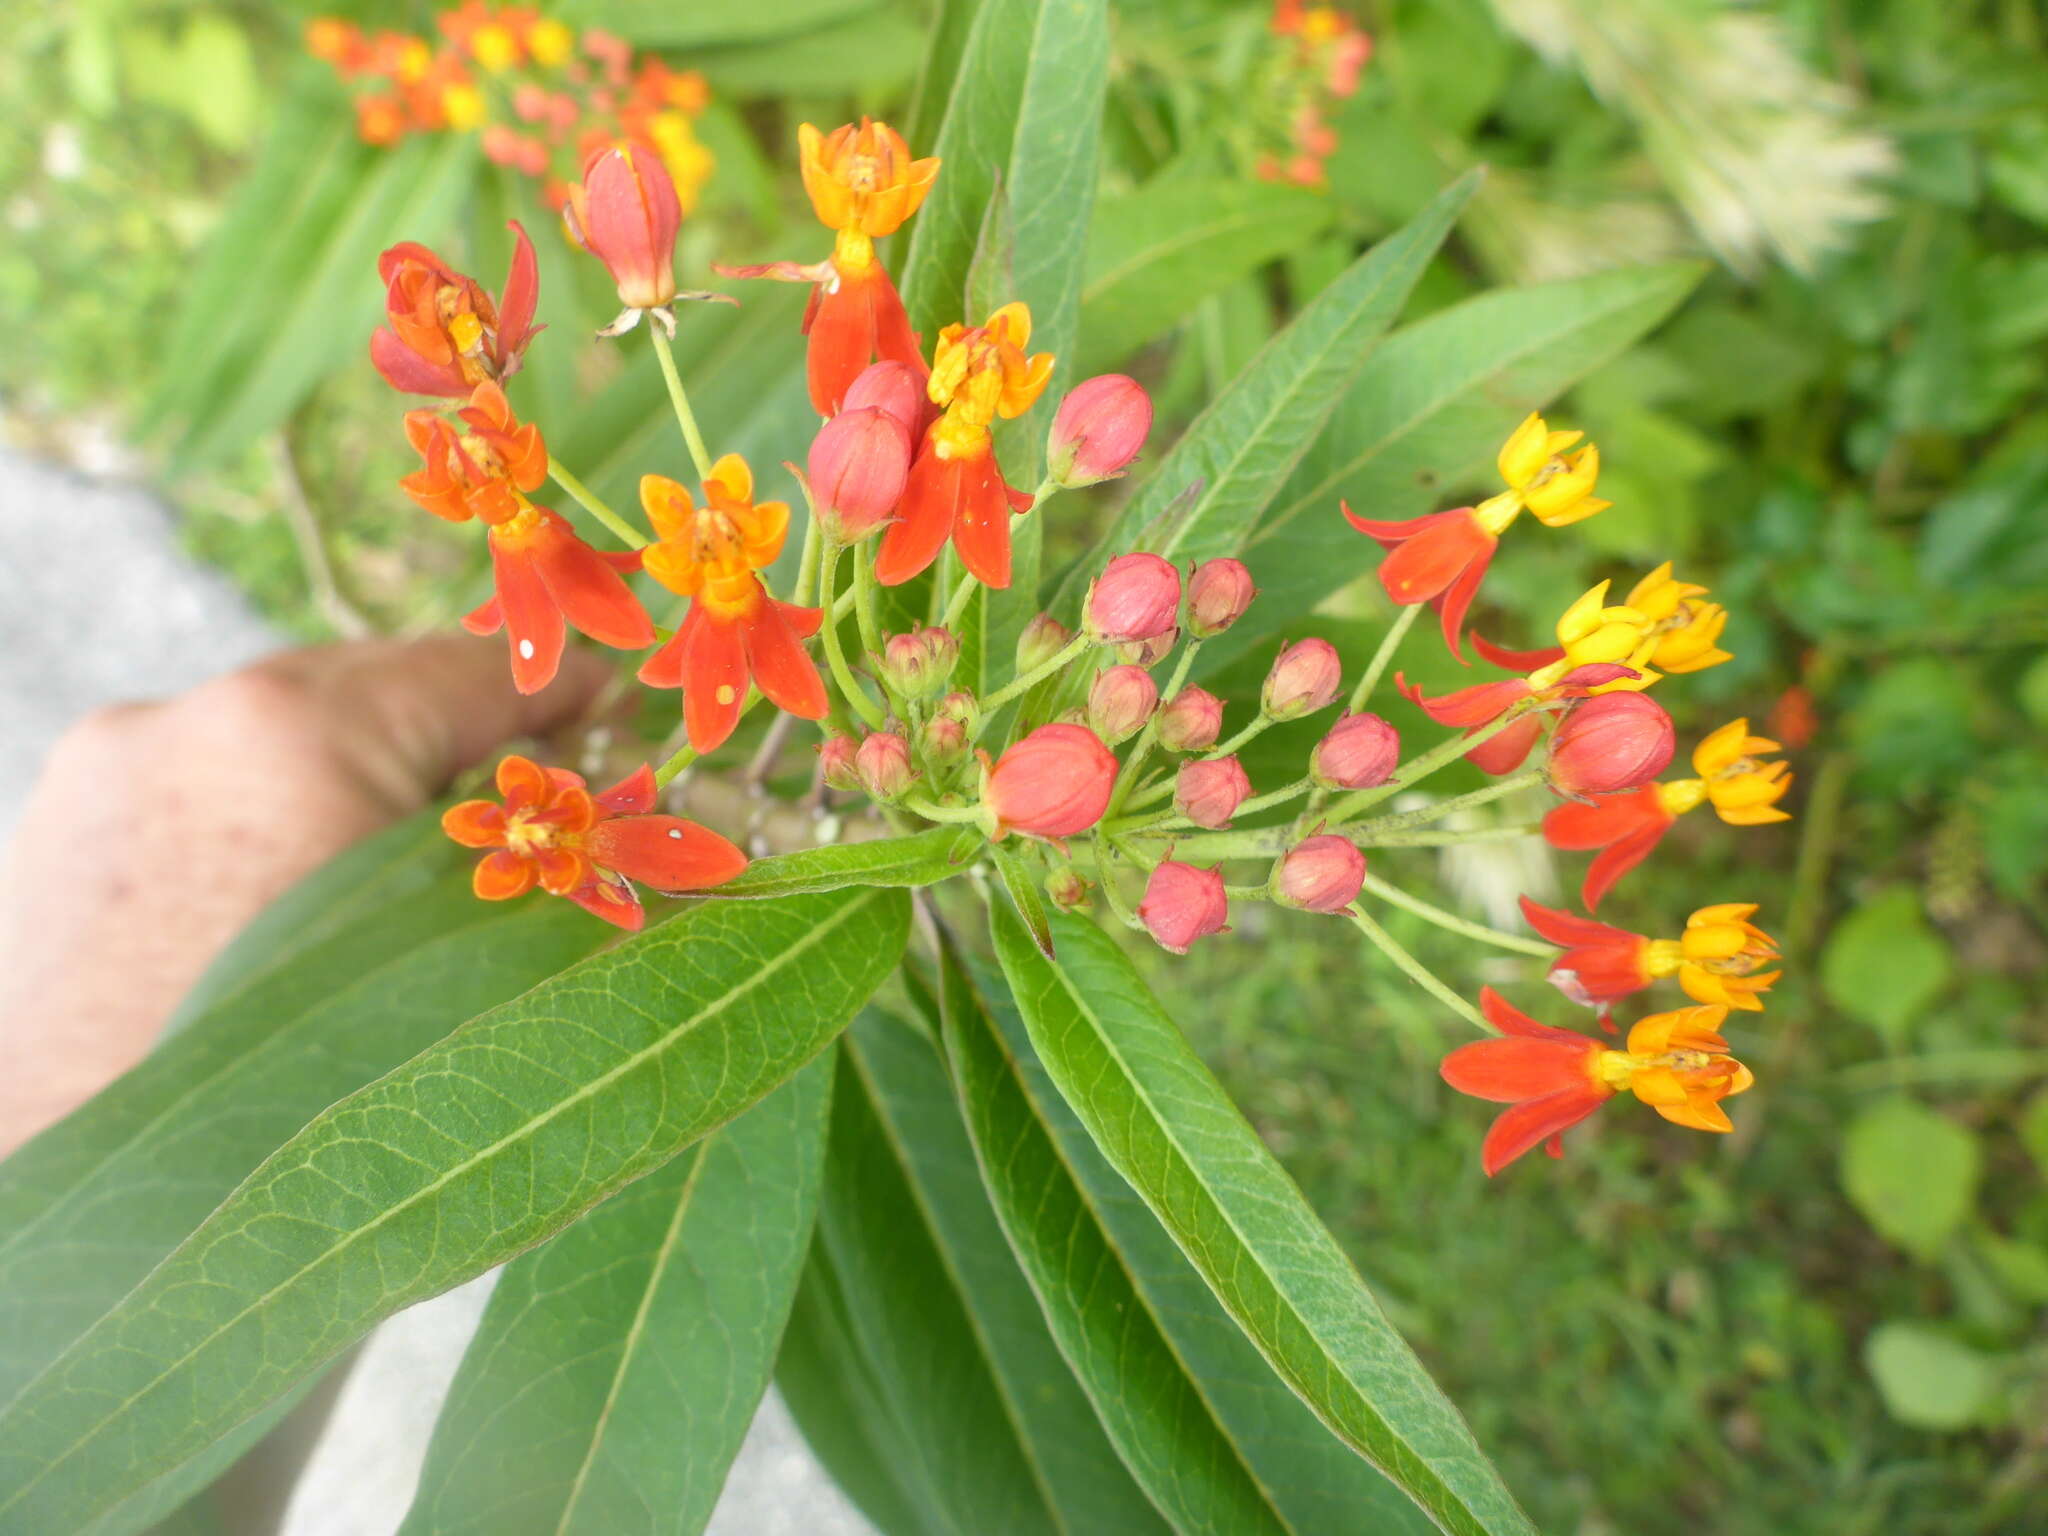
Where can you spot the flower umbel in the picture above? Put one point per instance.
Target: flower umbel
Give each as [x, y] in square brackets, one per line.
[551, 831]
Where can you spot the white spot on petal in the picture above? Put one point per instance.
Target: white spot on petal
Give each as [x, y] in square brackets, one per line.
[526, 650]
[676, 833]
[725, 693]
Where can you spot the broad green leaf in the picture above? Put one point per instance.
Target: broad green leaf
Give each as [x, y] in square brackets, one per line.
[1929, 1379]
[922, 858]
[470, 1153]
[333, 299]
[92, 1205]
[1884, 965]
[1024, 895]
[1168, 1127]
[1432, 403]
[1911, 1172]
[1019, 144]
[1156, 253]
[617, 1367]
[830, 1391]
[937, 71]
[1207, 492]
[1218, 1438]
[664, 24]
[917, 1117]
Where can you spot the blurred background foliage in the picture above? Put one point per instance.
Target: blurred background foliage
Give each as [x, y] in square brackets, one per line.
[1832, 1320]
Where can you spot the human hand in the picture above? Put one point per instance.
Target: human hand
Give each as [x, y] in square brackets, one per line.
[156, 831]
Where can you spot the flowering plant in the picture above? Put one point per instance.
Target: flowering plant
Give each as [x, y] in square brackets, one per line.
[820, 1041]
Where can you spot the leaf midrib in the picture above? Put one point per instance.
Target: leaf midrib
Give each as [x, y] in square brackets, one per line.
[390, 1212]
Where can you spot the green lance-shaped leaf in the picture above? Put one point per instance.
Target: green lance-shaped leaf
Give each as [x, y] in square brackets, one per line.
[467, 1155]
[618, 1366]
[92, 1205]
[923, 858]
[1432, 404]
[829, 1390]
[1168, 1127]
[1157, 253]
[663, 24]
[1214, 1436]
[919, 1154]
[1212, 485]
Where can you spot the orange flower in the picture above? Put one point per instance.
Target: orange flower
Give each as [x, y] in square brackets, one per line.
[1625, 828]
[1715, 960]
[552, 832]
[444, 335]
[1551, 1079]
[550, 581]
[480, 474]
[956, 488]
[735, 636]
[1600, 965]
[863, 184]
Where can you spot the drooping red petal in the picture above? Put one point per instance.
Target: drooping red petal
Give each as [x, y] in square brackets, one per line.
[1616, 860]
[895, 341]
[634, 795]
[516, 303]
[486, 618]
[1476, 705]
[1515, 661]
[782, 668]
[1506, 752]
[665, 852]
[1427, 554]
[715, 678]
[1525, 1125]
[842, 333]
[981, 531]
[533, 623]
[664, 669]
[615, 902]
[924, 518]
[589, 591]
[1576, 825]
[1568, 928]
[1508, 1070]
[1452, 606]
[409, 373]
[1510, 1020]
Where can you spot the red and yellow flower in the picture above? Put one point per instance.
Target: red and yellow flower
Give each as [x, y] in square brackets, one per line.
[480, 473]
[956, 488]
[1442, 558]
[443, 334]
[863, 183]
[1625, 828]
[1480, 705]
[1662, 626]
[736, 635]
[1716, 960]
[1551, 1079]
[551, 831]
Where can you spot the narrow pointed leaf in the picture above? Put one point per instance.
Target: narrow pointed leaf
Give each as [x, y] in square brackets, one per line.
[1215, 1437]
[1168, 1127]
[617, 1367]
[1024, 895]
[923, 858]
[467, 1155]
[1207, 492]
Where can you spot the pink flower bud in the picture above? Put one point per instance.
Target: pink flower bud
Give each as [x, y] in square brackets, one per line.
[1068, 890]
[626, 215]
[942, 741]
[1191, 720]
[858, 463]
[1135, 598]
[1120, 702]
[919, 663]
[893, 388]
[1053, 783]
[1043, 638]
[1209, 790]
[1218, 594]
[1182, 904]
[882, 765]
[1321, 874]
[1304, 679]
[1359, 752]
[1615, 742]
[1147, 653]
[1098, 430]
[836, 753]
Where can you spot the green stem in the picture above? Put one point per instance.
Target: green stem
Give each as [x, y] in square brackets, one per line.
[1105, 876]
[1436, 838]
[864, 599]
[1024, 680]
[956, 605]
[835, 657]
[590, 502]
[1415, 970]
[1128, 776]
[931, 810]
[1423, 815]
[1377, 667]
[807, 562]
[1418, 769]
[685, 417]
[1275, 797]
[1240, 739]
[666, 773]
[1456, 924]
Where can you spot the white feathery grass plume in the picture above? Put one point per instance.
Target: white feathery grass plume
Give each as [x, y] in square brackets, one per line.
[1758, 149]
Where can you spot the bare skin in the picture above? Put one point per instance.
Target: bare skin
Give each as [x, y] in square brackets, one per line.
[156, 831]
